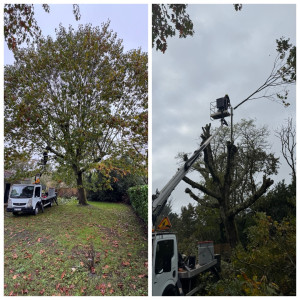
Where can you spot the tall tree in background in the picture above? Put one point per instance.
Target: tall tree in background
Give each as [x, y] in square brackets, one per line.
[287, 136]
[166, 20]
[20, 24]
[230, 173]
[79, 96]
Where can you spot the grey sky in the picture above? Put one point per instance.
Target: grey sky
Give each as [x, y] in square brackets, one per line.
[130, 22]
[230, 53]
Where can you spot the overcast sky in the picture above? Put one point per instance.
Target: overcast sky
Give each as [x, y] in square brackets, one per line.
[230, 53]
[130, 22]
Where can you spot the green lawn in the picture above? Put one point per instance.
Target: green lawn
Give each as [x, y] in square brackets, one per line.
[100, 249]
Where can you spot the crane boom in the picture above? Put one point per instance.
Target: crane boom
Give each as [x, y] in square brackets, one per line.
[161, 198]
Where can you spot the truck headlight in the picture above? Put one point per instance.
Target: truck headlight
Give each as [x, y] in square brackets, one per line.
[9, 203]
[29, 204]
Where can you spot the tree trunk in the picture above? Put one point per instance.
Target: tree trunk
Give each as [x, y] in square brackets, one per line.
[230, 229]
[81, 191]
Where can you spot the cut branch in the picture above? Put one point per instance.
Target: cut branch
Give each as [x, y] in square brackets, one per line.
[202, 201]
[267, 182]
[201, 188]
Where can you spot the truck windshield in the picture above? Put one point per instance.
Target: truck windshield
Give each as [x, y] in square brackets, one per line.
[21, 192]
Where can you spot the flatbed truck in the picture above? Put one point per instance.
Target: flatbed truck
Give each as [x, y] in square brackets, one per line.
[28, 198]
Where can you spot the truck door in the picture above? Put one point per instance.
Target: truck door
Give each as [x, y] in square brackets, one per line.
[36, 196]
[165, 267]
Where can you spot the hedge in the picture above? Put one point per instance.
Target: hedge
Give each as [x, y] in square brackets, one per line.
[138, 196]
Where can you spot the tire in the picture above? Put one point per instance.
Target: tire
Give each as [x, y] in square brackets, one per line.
[170, 290]
[36, 210]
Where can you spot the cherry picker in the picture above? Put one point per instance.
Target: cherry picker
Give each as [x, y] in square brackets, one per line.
[167, 278]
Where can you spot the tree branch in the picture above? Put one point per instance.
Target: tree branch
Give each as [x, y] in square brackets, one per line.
[201, 188]
[208, 157]
[55, 152]
[267, 182]
[202, 201]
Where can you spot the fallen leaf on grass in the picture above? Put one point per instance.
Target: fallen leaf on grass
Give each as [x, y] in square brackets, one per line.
[17, 285]
[101, 288]
[125, 263]
[133, 286]
[42, 291]
[24, 291]
[142, 276]
[120, 285]
[28, 255]
[63, 275]
[15, 256]
[105, 267]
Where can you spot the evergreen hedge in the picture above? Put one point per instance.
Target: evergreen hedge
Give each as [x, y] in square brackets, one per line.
[138, 196]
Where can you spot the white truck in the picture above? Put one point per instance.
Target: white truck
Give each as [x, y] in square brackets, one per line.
[171, 275]
[28, 198]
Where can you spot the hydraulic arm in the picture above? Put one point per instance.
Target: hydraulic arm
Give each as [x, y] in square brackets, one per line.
[161, 198]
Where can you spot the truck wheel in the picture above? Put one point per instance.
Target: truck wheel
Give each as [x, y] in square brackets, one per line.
[36, 210]
[170, 290]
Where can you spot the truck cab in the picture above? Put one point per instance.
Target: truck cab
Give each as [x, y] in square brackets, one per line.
[165, 264]
[24, 198]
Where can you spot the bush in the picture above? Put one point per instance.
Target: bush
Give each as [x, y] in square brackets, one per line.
[270, 253]
[138, 196]
[119, 185]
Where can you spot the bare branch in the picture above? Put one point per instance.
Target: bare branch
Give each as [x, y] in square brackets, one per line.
[202, 201]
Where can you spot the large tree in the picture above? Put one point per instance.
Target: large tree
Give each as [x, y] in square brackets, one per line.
[79, 96]
[231, 173]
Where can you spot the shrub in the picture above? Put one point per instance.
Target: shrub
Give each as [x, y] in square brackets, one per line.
[138, 196]
[270, 253]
